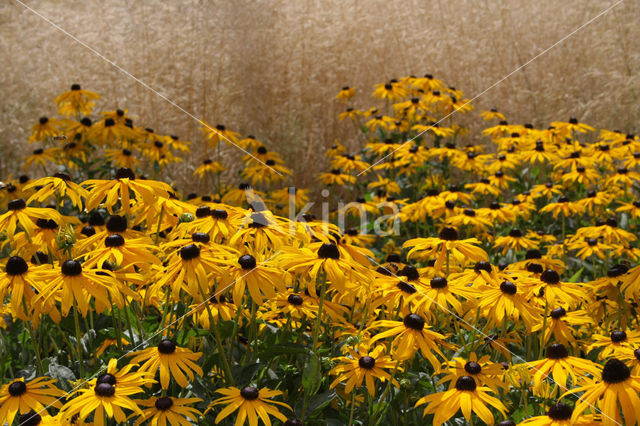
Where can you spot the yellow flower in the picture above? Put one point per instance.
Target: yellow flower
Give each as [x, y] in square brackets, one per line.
[76, 101]
[171, 360]
[168, 410]
[363, 365]
[20, 396]
[465, 396]
[617, 390]
[345, 94]
[251, 404]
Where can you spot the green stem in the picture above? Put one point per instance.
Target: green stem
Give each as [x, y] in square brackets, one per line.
[353, 404]
[76, 323]
[316, 329]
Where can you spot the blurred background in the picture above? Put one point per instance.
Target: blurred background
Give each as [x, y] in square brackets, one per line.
[272, 68]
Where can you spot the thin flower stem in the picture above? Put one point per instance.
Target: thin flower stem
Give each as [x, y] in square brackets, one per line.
[76, 323]
[165, 310]
[544, 327]
[353, 404]
[316, 329]
[213, 325]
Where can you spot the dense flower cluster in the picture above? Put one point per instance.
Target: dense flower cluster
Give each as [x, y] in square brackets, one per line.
[500, 289]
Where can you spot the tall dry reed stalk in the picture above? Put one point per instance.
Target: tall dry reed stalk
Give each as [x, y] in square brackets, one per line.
[271, 68]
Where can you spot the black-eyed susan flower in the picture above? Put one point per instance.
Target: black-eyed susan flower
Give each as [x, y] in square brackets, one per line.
[561, 414]
[118, 190]
[171, 360]
[251, 404]
[45, 128]
[20, 396]
[336, 177]
[262, 279]
[492, 114]
[483, 371]
[343, 273]
[78, 131]
[59, 185]
[587, 247]
[562, 367]
[584, 175]
[508, 302]
[446, 244]
[40, 157]
[345, 94]
[616, 343]
[515, 241]
[19, 213]
[104, 400]
[465, 396]
[73, 285]
[168, 410]
[616, 391]
[76, 101]
[411, 335]
[560, 324]
[393, 90]
[219, 133]
[18, 281]
[363, 364]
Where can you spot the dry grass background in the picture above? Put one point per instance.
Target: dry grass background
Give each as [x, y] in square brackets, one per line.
[271, 68]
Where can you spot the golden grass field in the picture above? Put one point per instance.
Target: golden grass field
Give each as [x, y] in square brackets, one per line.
[273, 68]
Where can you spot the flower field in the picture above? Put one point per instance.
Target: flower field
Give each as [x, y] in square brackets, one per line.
[439, 276]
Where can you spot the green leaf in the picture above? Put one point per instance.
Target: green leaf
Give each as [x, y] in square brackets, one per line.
[286, 348]
[60, 372]
[574, 278]
[311, 376]
[321, 400]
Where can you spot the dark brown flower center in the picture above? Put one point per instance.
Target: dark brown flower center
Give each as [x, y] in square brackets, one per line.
[247, 262]
[71, 268]
[558, 313]
[366, 362]
[166, 347]
[114, 240]
[438, 282]
[618, 336]
[410, 272]
[615, 371]
[219, 214]
[16, 266]
[414, 322]
[17, 388]
[200, 237]
[482, 266]
[508, 287]
[190, 252]
[107, 378]
[560, 412]
[465, 383]
[30, 419]
[550, 277]
[164, 403]
[472, 367]
[17, 204]
[104, 390]
[328, 251]
[295, 299]
[250, 393]
[448, 234]
[116, 224]
[125, 173]
[557, 351]
[406, 287]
